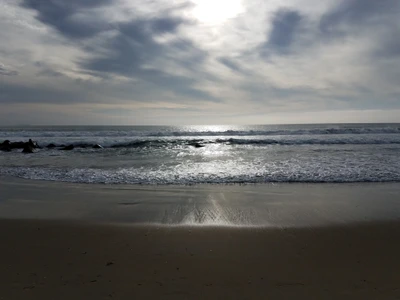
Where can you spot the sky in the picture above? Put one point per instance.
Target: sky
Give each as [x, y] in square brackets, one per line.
[167, 62]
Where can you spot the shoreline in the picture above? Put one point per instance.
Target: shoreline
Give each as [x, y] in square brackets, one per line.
[15, 179]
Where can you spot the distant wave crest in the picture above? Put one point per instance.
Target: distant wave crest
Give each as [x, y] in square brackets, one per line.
[171, 133]
[171, 143]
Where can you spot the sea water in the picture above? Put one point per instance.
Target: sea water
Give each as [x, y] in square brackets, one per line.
[207, 154]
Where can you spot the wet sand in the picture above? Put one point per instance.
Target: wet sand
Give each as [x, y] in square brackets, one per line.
[261, 205]
[66, 241]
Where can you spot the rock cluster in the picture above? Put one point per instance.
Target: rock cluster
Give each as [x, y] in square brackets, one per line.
[27, 147]
[196, 145]
[30, 146]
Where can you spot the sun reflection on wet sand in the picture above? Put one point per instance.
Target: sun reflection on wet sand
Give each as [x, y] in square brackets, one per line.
[279, 205]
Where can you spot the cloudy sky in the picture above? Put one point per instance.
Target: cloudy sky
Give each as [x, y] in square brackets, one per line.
[199, 61]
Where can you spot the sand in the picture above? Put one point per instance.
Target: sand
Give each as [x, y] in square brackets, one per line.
[66, 260]
[262, 205]
[49, 250]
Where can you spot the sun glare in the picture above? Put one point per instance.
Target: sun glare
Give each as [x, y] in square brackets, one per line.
[216, 11]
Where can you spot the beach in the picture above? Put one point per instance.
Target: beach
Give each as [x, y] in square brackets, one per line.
[63, 241]
[195, 149]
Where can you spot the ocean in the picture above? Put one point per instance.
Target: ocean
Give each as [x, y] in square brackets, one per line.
[336, 153]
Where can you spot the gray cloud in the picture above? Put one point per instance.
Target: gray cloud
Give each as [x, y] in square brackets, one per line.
[49, 73]
[101, 54]
[134, 46]
[6, 71]
[231, 64]
[359, 13]
[45, 70]
[290, 33]
[390, 46]
[63, 16]
[377, 19]
[294, 32]
[285, 25]
[18, 93]
[166, 24]
[131, 46]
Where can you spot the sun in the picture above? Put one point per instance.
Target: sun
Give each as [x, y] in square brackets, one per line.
[216, 11]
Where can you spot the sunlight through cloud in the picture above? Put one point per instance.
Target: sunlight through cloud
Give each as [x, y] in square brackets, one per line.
[216, 12]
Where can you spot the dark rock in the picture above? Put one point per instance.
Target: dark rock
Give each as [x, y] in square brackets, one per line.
[196, 145]
[17, 145]
[33, 144]
[69, 147]
[51, 146]
[97, 146]
[5, 146]
[28, 148]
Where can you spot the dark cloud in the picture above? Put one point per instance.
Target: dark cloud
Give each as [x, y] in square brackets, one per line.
[134, 46]
[390, 47]
[5, 71]
[229, 63]
[378, 20]
[131, 48]
[359, 13]
[64, 16]
[286, 25]
[373, 20]
[166, 24]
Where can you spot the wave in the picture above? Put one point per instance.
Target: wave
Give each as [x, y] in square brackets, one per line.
[174, 143]
[181, 133]
[233, 141]
[327, 131]
[99, 176]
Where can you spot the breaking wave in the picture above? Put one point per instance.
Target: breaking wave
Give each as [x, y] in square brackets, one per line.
[170, 132]
[190, 176]
[170, 143]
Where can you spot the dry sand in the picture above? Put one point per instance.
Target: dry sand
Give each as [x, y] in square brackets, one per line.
[70, 260]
